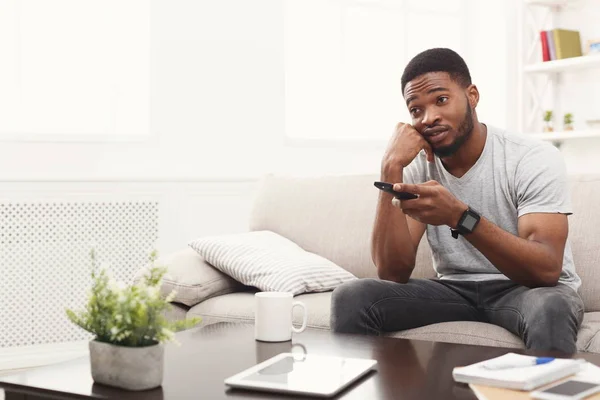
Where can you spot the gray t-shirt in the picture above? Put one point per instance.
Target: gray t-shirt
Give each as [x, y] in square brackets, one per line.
[514, 176]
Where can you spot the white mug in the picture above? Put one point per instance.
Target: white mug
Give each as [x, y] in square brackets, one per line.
[273, 316]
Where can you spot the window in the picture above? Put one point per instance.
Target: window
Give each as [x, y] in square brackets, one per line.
[344, 60]
[74, 69]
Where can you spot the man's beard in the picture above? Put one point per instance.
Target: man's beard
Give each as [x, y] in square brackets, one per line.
[465, 129]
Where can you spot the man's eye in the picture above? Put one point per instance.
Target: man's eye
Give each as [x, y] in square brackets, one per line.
[414, 111]
[442, 99]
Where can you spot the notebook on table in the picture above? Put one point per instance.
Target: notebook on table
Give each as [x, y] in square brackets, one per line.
[520, 378]
[588, 373]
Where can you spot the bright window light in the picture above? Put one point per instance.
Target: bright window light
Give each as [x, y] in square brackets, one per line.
[344, 60]
[74, 68]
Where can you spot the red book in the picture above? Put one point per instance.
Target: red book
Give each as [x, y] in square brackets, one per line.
[545, 49]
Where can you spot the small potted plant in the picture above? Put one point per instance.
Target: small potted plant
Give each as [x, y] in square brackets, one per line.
[129, 328]
[548, 121]
[568, 122]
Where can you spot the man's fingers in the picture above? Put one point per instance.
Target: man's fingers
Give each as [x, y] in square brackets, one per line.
[407, 187]
[405, 205]
[420, 189]
[428, 151]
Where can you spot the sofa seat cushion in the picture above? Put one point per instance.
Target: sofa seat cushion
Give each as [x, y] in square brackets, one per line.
[477, 333]
[177, 312]
[239, 307]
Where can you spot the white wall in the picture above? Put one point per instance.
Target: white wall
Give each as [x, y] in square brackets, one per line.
[217, 110]
[217, 100]
[490, 58]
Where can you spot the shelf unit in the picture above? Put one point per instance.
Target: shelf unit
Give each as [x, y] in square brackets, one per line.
[566, 135]
[549, 3]
[565, 65]
[536, 77]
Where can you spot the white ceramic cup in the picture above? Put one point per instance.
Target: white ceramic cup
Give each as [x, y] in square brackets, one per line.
[273, 316]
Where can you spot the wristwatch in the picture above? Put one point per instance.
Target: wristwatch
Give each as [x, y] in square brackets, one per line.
[467, 223]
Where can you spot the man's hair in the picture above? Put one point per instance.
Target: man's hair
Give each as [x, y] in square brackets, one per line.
[437, 60]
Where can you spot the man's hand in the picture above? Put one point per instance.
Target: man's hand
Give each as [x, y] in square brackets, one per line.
[435, 205]
[404, 146]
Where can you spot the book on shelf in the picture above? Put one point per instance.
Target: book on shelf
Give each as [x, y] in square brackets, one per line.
[558, 44]
[545, 48]
[551, 45]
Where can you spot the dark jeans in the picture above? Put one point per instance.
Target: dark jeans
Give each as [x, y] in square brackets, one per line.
[545, 318]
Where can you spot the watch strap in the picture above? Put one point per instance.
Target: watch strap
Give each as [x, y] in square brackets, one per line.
[460, 228]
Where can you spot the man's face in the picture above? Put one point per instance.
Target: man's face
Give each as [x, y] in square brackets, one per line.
[440, 111]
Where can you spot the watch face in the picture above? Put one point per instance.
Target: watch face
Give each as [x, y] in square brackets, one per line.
[469, 222]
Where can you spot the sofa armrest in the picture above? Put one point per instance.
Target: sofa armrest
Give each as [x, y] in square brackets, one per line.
[192, 278]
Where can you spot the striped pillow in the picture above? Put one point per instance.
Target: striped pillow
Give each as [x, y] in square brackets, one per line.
[270, 262]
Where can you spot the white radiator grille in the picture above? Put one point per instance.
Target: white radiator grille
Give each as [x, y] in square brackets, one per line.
[45, 263]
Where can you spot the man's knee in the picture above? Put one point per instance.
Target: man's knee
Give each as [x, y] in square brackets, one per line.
[553, 322]
[349, 304]
[556, 308]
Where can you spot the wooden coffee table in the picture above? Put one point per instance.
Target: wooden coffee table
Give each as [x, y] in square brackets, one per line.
[408, 369]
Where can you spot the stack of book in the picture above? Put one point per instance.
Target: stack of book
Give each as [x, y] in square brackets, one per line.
[514, 376]
[560, 43]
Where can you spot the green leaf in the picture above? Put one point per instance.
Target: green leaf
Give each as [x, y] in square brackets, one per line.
[128, 315]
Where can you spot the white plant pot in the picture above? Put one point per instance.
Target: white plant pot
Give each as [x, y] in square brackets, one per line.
[131, 368]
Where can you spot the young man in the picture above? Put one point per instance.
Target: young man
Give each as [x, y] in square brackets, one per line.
[495, 208]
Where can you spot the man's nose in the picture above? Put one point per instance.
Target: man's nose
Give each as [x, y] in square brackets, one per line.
[430, 117]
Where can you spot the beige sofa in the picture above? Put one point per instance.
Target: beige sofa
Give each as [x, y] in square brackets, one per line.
[333, 217]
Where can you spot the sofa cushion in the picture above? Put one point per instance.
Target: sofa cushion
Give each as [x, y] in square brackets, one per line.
[192, 279]
[270, 262]
[588, 338]
[484, 334]
[334, 218]
[465, 332]
[177, 312]
[329, 215]
[584, 235]
[239, 307]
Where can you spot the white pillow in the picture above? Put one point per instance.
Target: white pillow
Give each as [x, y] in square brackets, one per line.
[270, 262]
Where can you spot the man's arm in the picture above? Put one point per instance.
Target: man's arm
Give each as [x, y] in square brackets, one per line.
[533, 258]
[396, 237]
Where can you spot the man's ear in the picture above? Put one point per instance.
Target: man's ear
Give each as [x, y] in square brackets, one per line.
[473, 95]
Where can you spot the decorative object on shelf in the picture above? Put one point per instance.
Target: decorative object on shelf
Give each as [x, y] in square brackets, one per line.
[568, 122]
[548, 121]
[593, 46]
[130, 328]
